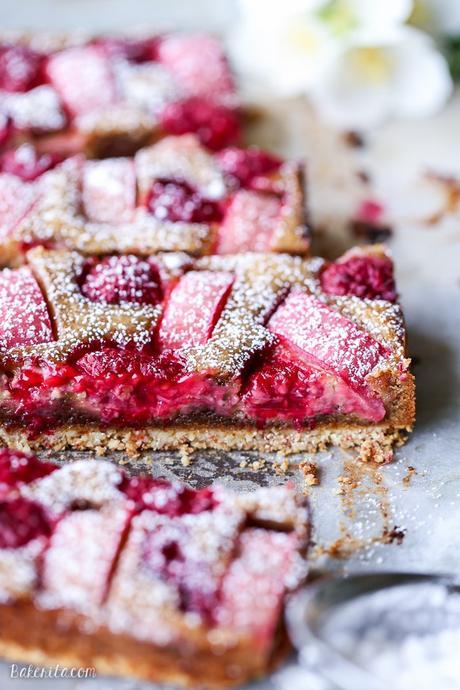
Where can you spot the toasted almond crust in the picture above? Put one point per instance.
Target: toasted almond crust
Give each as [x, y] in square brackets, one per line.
[33, 635]
[373, 442]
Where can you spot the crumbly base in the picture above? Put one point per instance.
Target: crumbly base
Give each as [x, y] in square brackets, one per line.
[45, 638]
[372, 442]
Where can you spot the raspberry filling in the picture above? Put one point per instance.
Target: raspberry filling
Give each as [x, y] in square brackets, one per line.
[21, 468]
[21, 521]
[215, 125]
[368, 277]
[26, 163]
[243, 166]
[174, 201]
[136, 51]
[131, 387]
[118, 279]
[168, 499]
[286, 388]
[319, 366]
[19, 68]
[167, 558]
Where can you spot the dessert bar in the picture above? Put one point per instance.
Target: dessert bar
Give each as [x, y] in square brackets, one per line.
[144, 578]
[251, 351]
[175, 195]
[109, 95]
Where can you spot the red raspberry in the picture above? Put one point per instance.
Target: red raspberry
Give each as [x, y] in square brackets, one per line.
[243, 165]
[19, 68]
[118, 279]
[166, 498]
[6, 128]
[370, 211]
[215, 125]
[178, 201]
[368, 277]
[133, 50]
[21, 521]
[21, 468]
[24, 162]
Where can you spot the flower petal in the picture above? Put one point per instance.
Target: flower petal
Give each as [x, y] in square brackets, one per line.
[422, 82]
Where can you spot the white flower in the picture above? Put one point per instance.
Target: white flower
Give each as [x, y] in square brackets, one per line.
[437, 17]
[373, 78]
[288, 43]
[285, 45]
[378, 16]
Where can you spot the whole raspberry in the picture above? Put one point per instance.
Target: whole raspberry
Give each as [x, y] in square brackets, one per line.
[368, 277]
[21, 521]
[19, 68]
[118, 279]
[241, 166]
[24, 162]
[215, 125]
[20, 468]
[177, 201]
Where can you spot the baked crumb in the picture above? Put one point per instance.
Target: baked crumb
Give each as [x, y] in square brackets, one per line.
[408, 477]
[310, 472]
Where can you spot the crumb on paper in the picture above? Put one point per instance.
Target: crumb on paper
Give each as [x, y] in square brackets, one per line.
[185, 455]
[396, 534]
[310, 473]
[410, 472]
[371, 451]
[281, 466]
[354, 139]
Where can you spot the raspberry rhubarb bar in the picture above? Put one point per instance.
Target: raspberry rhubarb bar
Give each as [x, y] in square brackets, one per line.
[141, 577]
[172, 196]
[251, 351]
[110, 95]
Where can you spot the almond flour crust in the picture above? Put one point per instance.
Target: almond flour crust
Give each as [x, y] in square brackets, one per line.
[45, 638]
[373, 442]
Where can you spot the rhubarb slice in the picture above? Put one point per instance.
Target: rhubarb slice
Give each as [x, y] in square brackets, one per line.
[322, 337]
[88, 538]
[193, 308]
[286, 388]
[249, 223]
[197, 64]
[109, 190]
[16, 200]
[24, 318]
[83, 78]
[257, 584]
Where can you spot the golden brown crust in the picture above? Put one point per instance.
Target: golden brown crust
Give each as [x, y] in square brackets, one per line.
[48, 637]
[224, 437]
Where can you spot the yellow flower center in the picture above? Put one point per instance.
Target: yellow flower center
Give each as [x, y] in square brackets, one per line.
[303, 38]
[371, 64]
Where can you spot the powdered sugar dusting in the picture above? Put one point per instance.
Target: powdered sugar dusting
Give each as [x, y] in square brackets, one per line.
[24, 318]
[80, 483]
[78, 320]
[181, 557]
[38, 109]
[327, 337]
[181, 158]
